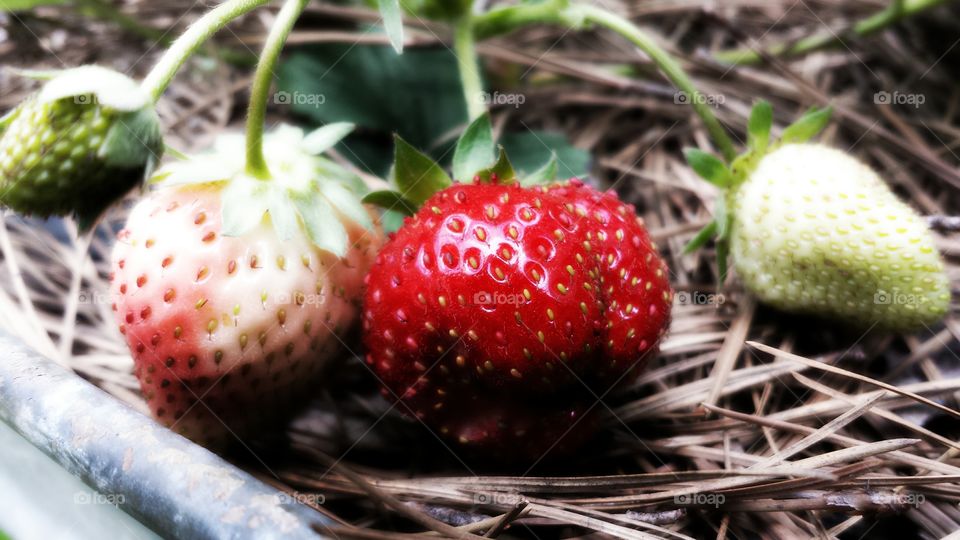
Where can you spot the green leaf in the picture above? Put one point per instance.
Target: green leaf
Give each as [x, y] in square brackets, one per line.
[502, 168]
[20, 5]
[391, 200]
[529, 150]
[709, 167]
[418, 95]
[701, 238]
[758, 127]
[321, 223]
[807, 126]
[110, 88]
[417, 176]
[722, 218]
[392, 22]
[133, 139]
[544, 175]
[391, 221]
[324, 138]
[723, 254]
[474, 149]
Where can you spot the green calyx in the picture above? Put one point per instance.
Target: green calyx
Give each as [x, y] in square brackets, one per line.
[416, 177]
[84, 140]
[304, 192]
[729, 177]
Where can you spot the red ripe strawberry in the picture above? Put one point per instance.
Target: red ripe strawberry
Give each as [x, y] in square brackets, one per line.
[498, 313]
[229, 331]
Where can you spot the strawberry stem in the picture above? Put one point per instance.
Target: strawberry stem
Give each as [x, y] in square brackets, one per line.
[892, 14]
[262, 79]
[187, 44]
[506, 19]
[466, 53]
[668, 65]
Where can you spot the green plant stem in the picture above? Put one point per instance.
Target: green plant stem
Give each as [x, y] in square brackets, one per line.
[508, 18]
[262, 79]
[668, 65]
[894, 13]
[187, 44]
[466, 52]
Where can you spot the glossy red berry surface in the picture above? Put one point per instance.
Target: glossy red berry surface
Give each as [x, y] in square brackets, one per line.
[498, 313]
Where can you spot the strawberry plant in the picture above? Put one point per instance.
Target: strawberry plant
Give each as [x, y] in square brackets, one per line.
[813, 230]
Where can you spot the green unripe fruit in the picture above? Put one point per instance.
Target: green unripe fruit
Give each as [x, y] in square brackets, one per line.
[816, 231]
[73, 148]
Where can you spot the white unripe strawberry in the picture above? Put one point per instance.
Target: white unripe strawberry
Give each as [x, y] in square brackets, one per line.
[817, 231]
[813, 230]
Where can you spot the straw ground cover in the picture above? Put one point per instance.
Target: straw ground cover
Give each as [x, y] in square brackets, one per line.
[749, 420]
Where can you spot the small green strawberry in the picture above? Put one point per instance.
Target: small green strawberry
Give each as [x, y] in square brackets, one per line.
[79, 144]
[813, 230]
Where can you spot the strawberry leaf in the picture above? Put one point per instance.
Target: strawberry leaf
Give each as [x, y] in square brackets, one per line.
[547, 174]
[346, 202]
[392, 22]
[709, 167]
[503, 170]
[723, 254]
[244, 205]
[324, 138]
[701, 238]
[722, 218]
[321, 223]
[283, 215]
[474, 149]
[417, 176]
[758, 127]
[391, 200]
[807, 126]
[133, 139]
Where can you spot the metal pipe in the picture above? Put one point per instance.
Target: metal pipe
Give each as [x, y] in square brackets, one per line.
[175, 487]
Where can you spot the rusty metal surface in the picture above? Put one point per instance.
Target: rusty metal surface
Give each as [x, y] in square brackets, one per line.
[173, 486]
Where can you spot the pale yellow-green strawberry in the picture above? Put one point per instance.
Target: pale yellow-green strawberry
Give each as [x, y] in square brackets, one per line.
[813, 230]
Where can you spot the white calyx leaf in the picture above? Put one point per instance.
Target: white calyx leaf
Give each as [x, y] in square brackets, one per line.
[109, 88]
[323, 227]
[322, 139]
[347, 202]
[283, 213]
[244, 203]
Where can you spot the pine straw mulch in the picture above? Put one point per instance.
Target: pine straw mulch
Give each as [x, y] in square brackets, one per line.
[751, 423]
